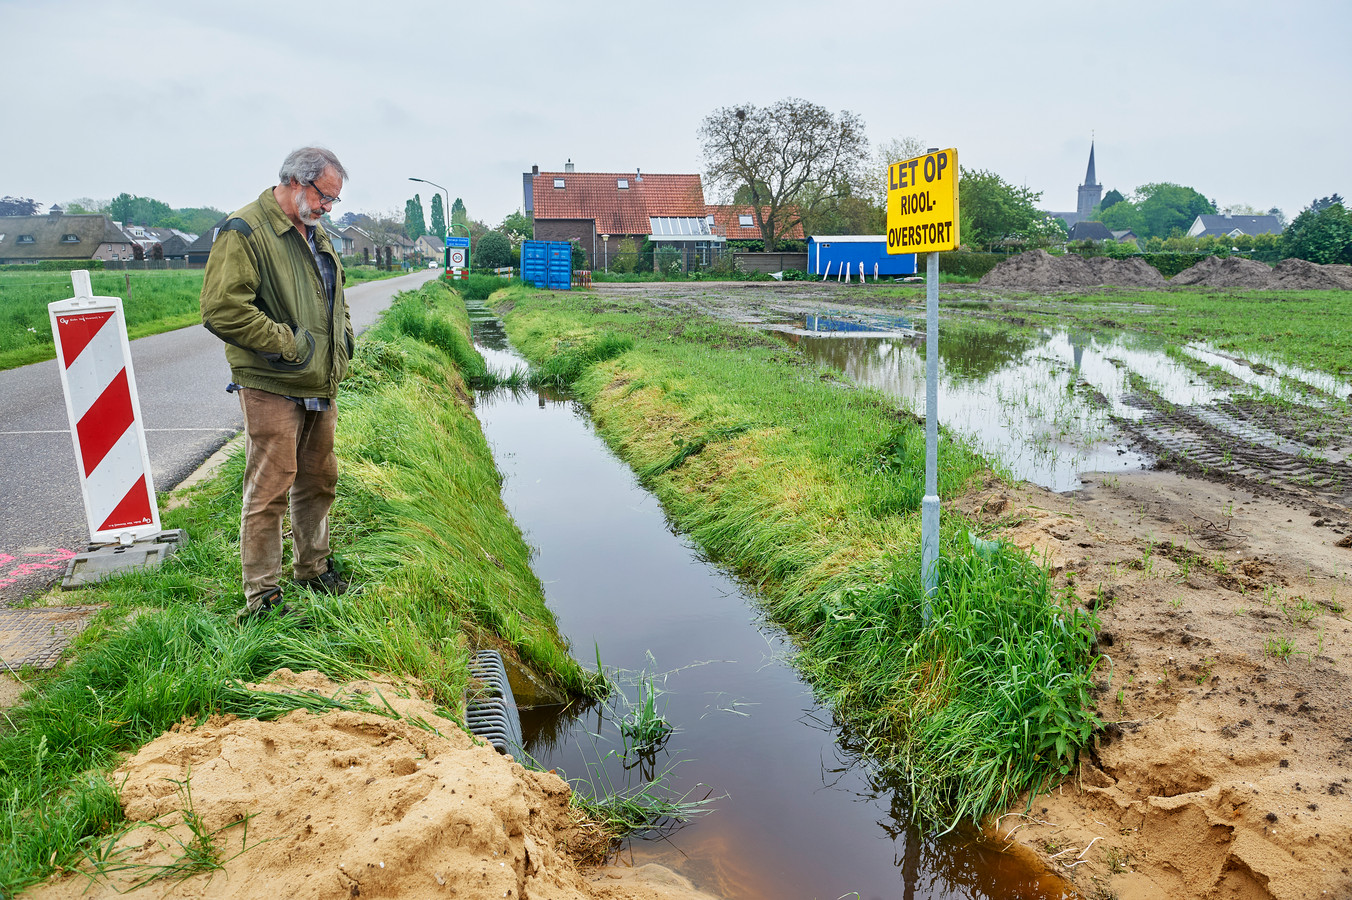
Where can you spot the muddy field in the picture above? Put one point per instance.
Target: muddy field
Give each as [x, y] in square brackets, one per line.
[1221, 577]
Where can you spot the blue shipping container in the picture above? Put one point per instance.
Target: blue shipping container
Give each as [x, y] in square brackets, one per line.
[840, 250]
[547, 264]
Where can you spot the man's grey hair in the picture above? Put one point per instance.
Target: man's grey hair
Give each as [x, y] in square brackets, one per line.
[308, 163]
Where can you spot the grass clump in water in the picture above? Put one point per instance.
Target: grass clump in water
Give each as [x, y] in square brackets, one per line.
[437, 565]
[811, 492]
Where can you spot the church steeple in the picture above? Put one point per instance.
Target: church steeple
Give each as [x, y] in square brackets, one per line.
[1091, 192]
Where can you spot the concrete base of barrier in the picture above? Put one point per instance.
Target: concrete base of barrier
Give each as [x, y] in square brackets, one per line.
[106, 560]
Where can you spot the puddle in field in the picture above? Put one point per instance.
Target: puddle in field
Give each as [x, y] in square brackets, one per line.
[1049, 405]
[794, 813]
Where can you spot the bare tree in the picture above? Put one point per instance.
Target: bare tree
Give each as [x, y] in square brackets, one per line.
[887, 153]
[783, 159]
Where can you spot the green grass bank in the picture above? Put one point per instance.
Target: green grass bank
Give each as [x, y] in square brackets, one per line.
[810, 491]
[438, 567]
[153, 301]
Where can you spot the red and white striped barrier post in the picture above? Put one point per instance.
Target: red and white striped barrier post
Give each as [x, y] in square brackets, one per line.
[94, 358]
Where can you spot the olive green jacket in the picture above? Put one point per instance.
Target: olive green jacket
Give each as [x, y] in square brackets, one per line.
[263, 295]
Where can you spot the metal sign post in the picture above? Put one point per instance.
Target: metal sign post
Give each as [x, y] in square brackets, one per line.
[922, 217]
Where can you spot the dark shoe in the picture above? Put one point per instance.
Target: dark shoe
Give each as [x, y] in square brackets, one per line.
[329, 582]
[270, 604]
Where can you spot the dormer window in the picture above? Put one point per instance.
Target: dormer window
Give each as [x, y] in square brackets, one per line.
[26, 239]
[622, 183]
[70, 239]
[558, 182]
[745, 221]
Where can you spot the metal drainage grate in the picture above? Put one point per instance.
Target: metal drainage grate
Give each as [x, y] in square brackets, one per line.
[491, 712]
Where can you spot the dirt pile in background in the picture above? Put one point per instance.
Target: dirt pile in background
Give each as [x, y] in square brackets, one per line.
[1038, 270]
[1304, 275]
[355, 805]
[1134, 272]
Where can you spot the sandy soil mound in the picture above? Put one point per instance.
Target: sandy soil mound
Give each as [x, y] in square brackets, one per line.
[352, 805]
[1300, 274]
[1038, 270]
[1231, 272]
[1134, 272]
[1227, 689]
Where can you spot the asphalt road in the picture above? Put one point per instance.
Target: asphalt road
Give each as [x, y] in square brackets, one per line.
[185, 410]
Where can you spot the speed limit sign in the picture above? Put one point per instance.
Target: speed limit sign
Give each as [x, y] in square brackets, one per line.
[457, 257]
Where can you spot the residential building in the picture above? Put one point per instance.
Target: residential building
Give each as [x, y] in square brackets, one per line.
[592, 209]
[1233, 226]
[25, 239]
[738, 223]
[430, 245]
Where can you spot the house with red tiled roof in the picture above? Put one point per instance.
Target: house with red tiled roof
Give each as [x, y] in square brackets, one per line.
[592, 209]
[738, 223]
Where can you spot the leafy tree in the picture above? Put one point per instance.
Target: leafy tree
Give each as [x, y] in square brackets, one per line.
[845, 215]
[438, 216]
[198, 219]
[132, 210]
[993, 211]
[1122, 216]
[1324, 203]
[1110, 199]
[157, 251]
[790, 157]
[1322, 235]
[19, 206]
[415, 223]
[458, 214]
[492, 251]
[1165, 207]
[85, 206]
[517, 226]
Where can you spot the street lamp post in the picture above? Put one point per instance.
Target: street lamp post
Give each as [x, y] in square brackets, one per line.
[605, 252]
[446, 212]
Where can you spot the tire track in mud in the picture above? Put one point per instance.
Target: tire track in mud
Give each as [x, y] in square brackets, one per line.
[1236, 444]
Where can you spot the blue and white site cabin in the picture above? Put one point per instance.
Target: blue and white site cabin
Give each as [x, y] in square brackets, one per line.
[837, 251]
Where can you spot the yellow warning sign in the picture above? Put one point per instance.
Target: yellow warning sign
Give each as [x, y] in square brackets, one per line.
[922, 203]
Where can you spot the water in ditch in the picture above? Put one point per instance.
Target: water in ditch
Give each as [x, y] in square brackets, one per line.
[793, 813]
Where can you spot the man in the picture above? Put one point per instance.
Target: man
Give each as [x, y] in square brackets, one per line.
[273, 291]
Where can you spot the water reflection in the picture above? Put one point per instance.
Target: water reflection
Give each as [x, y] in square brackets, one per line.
[803, 816]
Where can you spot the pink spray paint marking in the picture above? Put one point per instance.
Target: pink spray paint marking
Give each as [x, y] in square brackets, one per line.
[40, 560]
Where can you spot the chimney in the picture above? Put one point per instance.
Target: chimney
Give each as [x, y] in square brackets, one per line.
[568, 166]
[638, 174]
[535, 170]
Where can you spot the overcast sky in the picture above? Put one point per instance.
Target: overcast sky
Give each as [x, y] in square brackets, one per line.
[196, 104]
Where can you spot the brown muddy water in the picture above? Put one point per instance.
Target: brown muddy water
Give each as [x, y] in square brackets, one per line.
[793, 812]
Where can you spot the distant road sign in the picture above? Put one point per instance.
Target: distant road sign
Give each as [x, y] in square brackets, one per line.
[922, 203]
[457, 257]
[457, 241]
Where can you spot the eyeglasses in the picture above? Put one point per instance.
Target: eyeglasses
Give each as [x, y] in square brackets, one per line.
[323, 197]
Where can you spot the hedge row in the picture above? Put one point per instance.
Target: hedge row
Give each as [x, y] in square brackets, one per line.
[53, 265]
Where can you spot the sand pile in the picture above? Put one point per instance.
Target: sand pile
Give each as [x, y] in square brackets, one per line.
[1133, 272]
[1300, 274]
[1230, 272]
[354, 805]
[1039, 270]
